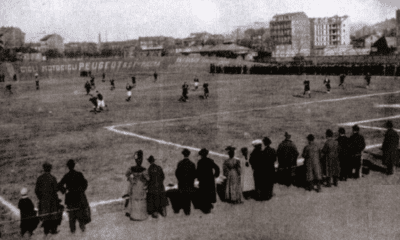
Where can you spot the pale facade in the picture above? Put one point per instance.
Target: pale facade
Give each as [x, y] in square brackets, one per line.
[291, 34]
[332, 31]
[53, 41]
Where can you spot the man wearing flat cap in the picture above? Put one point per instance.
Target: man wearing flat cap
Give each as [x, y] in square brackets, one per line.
[74, 185]
[206, 173]
[186, 174]
[287, 159]
[356, 147]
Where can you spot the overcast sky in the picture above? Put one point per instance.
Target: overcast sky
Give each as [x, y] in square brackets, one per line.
[77, 20]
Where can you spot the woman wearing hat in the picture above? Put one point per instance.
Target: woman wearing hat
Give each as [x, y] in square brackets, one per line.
[256, 160]
[137, 207]
[156, 196]
[206, 173]
[232, 172]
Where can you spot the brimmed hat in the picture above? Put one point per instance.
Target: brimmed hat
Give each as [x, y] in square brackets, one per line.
[287, 135]
[24, 192]
[267, 141]
[185, 152]
[256, 142]
[203, 152]
[310, 137]
[230, 148]
[151, 159]
[47, 167]
[71, 163]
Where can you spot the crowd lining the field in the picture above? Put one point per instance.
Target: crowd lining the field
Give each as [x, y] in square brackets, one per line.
[310, 69]
[146, 195]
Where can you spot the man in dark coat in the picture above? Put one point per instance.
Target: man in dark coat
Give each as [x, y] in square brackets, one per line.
[260, 171]
[46, 192]
[390, 147]
[343, 141]
[74, 185]
[356, 146]
[269, 155]
[287, 158]
[206, 173]
[330, 158]
[156, 196]
[186, 174]
[311, 155]
[87, 87]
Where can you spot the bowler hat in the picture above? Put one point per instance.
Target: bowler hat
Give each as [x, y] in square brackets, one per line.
[203, 152]
[151, 159]
[310, 137]
[71, 163]
[287, 135]
[267, 141]
[186, 152]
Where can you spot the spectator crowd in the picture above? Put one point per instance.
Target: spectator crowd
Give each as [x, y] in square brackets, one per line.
[146, 195]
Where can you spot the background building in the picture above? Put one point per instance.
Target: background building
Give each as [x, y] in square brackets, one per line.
[332, 31]
[398, 28]
[12, 37]
[291, 34]
[52, 41]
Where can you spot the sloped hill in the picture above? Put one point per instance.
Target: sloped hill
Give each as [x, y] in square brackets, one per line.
[360, 29]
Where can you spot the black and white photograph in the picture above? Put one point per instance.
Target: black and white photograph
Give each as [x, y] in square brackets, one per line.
[200, 119]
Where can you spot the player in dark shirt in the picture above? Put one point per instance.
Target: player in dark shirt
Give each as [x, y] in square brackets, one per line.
[92, 82]
[368, 78]
[307, 88]
[327, 84]
[104, 77]
[205, 87]
[185, 91]
[37, 81]
[8, 88]
[87, 87]
[155, 76]
[129, 93]
[93, 100]
[112, 84]
[342, 77]
[134, 80]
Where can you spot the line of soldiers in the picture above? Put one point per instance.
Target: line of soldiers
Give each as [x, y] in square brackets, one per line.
[311, 69]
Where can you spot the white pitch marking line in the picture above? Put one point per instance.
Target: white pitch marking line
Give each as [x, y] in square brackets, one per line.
[376, 128]
[15, 211]
[387, 105]
[300, 161]
[369, 120]
[258, 109]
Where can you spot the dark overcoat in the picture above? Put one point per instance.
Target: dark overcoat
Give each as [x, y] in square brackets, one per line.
[287, 154]
[206, 173]
[330, 158]
[311, 155]
[156, 196]
[186, 174]
[390, 147]
[46, 192]
[74, 185]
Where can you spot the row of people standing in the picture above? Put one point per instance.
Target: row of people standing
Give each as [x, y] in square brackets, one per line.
[317, 69]
[73, 185]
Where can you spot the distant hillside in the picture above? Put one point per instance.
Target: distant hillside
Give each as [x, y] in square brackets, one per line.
[360, 29]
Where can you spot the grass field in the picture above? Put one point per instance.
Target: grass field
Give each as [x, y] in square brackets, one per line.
[54, 124]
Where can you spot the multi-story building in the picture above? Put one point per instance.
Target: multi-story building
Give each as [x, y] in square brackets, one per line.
[291, 34]
[52, 41]
[330, 31]
[12, 37]
[398, 29]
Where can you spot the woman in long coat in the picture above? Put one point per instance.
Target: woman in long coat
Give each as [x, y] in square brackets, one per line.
[311, 155]
[206, 173]
[156, 196]
[258, 165]
[330, 159]
[232, 173]
[137, 176]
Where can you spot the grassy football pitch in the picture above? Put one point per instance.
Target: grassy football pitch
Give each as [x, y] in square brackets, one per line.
[55, 123]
